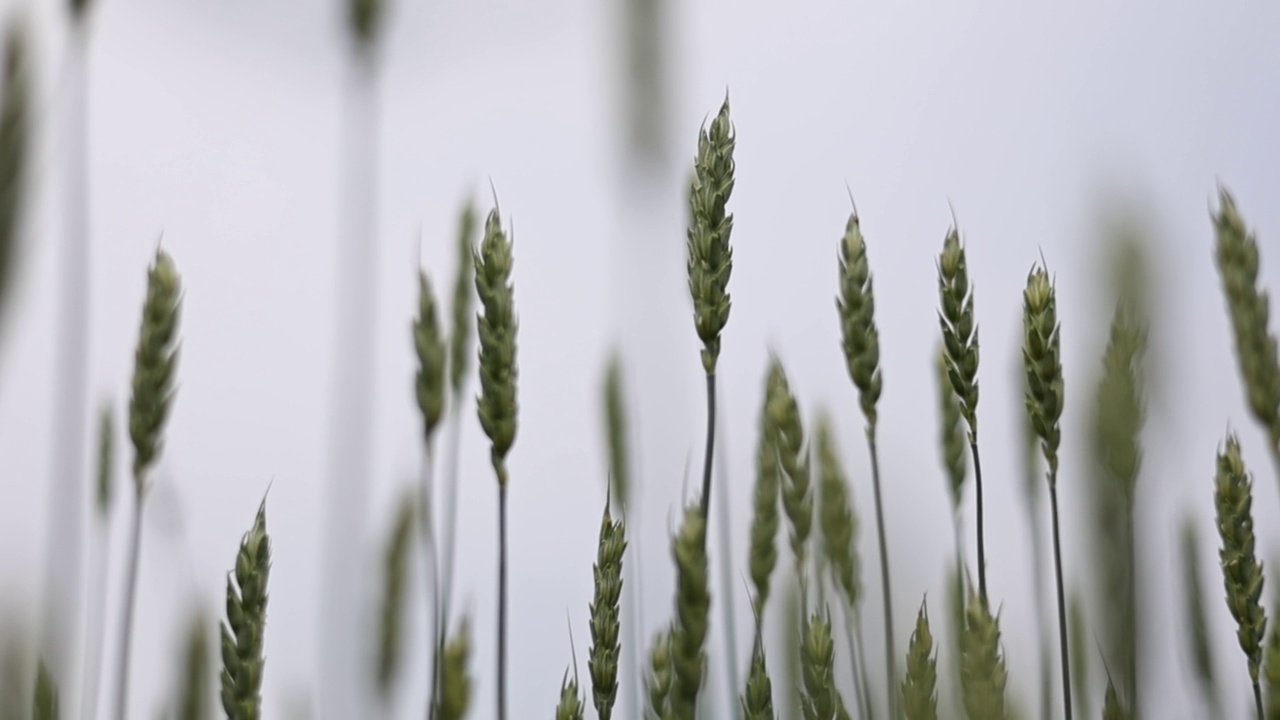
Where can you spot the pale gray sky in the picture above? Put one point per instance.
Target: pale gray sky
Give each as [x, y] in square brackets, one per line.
[217, 124]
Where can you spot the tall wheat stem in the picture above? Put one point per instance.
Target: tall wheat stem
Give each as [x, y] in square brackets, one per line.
[1062, 604]
[502, 601]
[889, 656]
[126, 622]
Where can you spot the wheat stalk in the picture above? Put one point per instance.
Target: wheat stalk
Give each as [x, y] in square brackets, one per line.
[1196, 618]
[710, 259]
[155, 365]
[15, 146]
[855, 305]
[1241, 571]
[1042, 359]
[497, 405]
[960, 343]
[193, 687]
[243, 631]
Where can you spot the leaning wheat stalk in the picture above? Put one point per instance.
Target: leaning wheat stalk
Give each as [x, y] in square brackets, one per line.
[155, 365]
[497, 405]
[861, 344]
[1042, 359]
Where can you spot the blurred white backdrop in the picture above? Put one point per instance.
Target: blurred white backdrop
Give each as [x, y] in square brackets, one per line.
[217, 125]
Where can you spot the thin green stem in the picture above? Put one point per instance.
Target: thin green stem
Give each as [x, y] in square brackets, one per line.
[726, 584]
[130, 598]
[450, 506]
[1062, 604]
[1257, 698]
[502, 601]
[889, 655]
[711, 444]
[856, 667]
[432, 578]
[1131, 606]
[982, 547]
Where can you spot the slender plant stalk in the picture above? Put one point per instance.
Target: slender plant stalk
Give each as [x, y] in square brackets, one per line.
[97, 599]
[1197, 622]
[724, 523]
[193, 687]
[710, 259]
[155, 365]
[15, 147]
[960, 344]
[460, 343]
[497, 405]
[855, 304]
[1042, 357]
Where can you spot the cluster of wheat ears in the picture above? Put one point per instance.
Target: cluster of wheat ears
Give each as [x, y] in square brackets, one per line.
[799, 477]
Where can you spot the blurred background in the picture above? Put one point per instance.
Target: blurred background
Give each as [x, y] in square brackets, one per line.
[216, 129]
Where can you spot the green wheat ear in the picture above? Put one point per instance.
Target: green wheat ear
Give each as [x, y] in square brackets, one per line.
[693, 606]
[710, 256]
[919, 689]
[856, 305]
[365, 17]
[455, 682]
[757, 700]
[1241, 571]
[570, 707]
[155, 365]
[15, 147]
[1042, 357]
[193, 688]
[428, 343]
[106, 460]
[395, 578]
[497, 327]
[1271, 673]
[763, 556]
[836, 517]
[1196, 620]
[1236, 253]
[793, 455]
[959, 328]
[982, 670]
[242, 633]
[658, 683]
[606, 609]
[615, 416]
[817, 668]
[1112, 708]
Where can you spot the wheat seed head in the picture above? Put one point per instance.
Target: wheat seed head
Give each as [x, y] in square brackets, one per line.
[1112, 708]
[1193, 593]
[919, 688]
[836, 517]
[497, 326]
[463, 299]
[693, 607]
[570, 706]
[155, 364]
[606, 609]
[395, 571]
[982, 669]
[15, 142]
[660, 676]
[857, 307]
[757, 700]
[1271, 671]
[951, 433]
[1236, 253]
[1241, 571]
[817, 669]
[797, 498]
[710, 256]
[455, 682]
[45, 704]
[1120, 409]
[763, 555]
[428, 344]
[959, 329]
[243, 631]
[1042, 360]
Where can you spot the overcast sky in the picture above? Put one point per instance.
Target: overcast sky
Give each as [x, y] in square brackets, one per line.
[218, 124]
